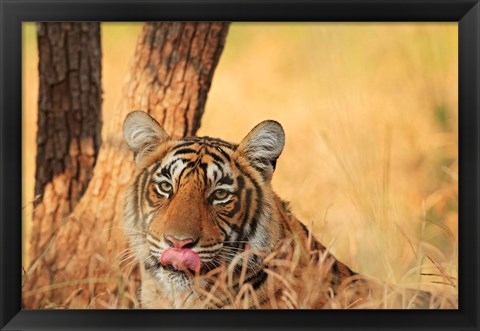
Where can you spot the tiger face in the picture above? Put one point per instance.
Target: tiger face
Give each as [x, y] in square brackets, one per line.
[195, 203]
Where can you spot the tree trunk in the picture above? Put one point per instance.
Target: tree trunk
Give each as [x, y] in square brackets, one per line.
[69, 124]
[169, 77]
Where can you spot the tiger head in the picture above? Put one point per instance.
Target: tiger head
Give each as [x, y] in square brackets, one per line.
[194, 203]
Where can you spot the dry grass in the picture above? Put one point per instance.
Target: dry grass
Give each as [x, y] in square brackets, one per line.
[370, 113]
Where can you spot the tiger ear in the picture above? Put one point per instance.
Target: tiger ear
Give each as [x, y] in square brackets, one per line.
[263, 145]
[142, 133]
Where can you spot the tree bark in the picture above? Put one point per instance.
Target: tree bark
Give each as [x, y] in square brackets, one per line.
[169, 77]
[69, 124]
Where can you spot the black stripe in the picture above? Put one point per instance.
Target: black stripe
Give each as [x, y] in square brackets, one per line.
[151, 203]
[253, 228]
[231, 226]
[210, 245]
[254, 223]
[189, 165]
[225, 233]
[226, 180]
[185, 160]
[255, 279]
[204, 167]
[335, 268]
[216, 174]
[185, 151]
[165, 171]
[224, 153]
[240, 184]
[274, 164]
[146, 175]
[238, 193]
[305, 229]
[248, 201]
[135, 196]
[155, 168]
[185, 144]
[168, 168]
[216, 157]
[219, 165]
[235, 208]
[259, 278]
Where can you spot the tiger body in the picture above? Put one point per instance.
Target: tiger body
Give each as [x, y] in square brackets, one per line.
[209, 231]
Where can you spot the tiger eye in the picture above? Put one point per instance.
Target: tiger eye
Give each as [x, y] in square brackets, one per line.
[165, 187]
[220, 194]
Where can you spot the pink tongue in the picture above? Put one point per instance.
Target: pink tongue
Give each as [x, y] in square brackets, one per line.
[181, 259]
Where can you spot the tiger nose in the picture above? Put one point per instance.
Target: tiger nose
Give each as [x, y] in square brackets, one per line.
[180, 243]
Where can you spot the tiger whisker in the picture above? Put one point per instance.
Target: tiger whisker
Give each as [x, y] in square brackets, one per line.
[127, 255]
[117, 263]
[129, 264]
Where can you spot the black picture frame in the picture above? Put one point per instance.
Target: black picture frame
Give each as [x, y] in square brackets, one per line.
[14, 12]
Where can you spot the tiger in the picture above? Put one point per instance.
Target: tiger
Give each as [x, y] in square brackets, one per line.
[208, 231]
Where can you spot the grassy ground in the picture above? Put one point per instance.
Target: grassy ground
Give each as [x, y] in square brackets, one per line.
[370, 113]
